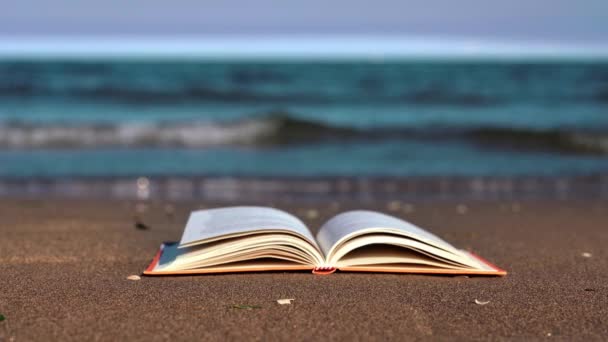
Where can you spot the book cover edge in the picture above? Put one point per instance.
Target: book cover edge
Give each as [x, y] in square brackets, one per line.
[497, 269]
[329, 270]
[155, 260]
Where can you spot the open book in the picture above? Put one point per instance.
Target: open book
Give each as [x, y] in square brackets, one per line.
[243, 239]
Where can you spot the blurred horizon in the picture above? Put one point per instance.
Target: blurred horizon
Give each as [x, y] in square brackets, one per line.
[298, 47]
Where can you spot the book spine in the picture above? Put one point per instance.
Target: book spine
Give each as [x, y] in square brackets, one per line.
[325, 270]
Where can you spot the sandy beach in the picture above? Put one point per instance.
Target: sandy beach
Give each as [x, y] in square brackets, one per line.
[65, 263]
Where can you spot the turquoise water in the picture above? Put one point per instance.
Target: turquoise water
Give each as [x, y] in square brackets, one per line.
[113, 118]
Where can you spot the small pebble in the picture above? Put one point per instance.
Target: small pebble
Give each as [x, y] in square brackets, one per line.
[134, 277]
[312, 214]
[586, 255]
[462, 209]
[394, 205]
[285, 301]
[140, 225]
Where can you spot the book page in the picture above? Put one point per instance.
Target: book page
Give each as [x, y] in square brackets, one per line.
[345, 224]
[371, 241]
[249, 247]
[213, 224]
[385, 255]
[180, 259]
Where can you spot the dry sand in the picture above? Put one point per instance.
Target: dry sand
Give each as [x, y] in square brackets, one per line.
[64, 266]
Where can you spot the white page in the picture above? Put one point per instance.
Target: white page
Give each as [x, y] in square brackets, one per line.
[210, 224]
[171, 252]
[389, 241]
[390, 256]
[229, 248]
[352, 221]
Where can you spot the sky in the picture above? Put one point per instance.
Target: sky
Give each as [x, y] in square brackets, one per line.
[289, 27]
[539, 20]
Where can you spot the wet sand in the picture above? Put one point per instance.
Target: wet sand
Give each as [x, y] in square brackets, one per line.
[64, 266]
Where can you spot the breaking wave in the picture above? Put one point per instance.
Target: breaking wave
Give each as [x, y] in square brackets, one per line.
[267, 130]
[280, 129]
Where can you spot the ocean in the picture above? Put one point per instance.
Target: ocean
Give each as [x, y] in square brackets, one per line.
[146, 118]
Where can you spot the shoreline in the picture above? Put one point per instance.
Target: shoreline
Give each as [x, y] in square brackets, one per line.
[65, 266]
[310, 189]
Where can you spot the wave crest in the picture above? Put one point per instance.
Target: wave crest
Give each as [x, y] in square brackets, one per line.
[279, 128]
[276, 128]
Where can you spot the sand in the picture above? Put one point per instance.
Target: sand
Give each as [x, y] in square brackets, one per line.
[64, 266]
